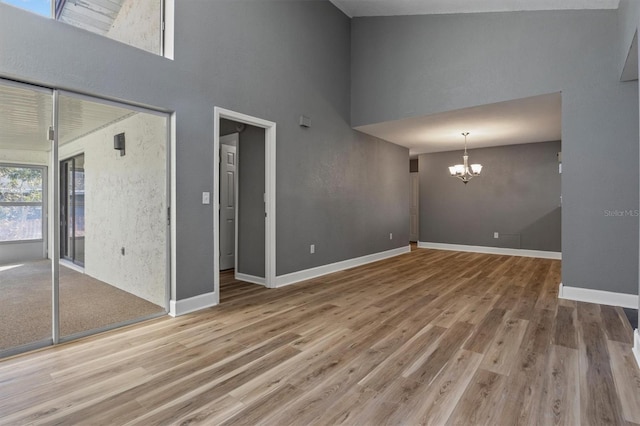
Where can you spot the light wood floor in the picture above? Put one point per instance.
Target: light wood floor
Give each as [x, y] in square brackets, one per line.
[430, 337]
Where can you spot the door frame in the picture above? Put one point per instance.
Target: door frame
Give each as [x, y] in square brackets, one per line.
[270, 193]
[52, 207]
[64, 199]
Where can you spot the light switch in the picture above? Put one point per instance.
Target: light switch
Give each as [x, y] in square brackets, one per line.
[206, 197]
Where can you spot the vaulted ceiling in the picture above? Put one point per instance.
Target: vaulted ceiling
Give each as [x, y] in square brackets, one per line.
[518, 121]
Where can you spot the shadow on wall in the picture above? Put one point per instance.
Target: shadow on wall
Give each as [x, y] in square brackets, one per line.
[544, 232]
[538, 233]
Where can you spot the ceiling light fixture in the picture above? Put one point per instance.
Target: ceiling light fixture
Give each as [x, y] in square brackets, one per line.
[464, 171]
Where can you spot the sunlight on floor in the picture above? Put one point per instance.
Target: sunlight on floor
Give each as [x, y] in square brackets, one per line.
[6, 268]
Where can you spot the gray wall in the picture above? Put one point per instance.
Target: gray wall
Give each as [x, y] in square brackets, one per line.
[411, 66]
[336, 188]
[251, 223]
[517, 195]
[628, 18]
[21, 252]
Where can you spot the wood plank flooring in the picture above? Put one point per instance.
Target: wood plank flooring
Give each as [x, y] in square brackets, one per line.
[429, 337]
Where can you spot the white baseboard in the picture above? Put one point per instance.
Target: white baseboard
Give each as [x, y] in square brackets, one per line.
[71, 265]
[308, 274]
[250, 279]
[636, 346]
[492, 250]
[598, 296]
[192, 304]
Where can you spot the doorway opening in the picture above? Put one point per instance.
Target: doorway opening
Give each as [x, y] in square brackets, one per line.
[72, 209]
[244, 213]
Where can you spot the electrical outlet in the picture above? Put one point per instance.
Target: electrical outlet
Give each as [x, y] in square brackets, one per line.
[206, 197]
[496, 235]
[312, 248]
[391, 236]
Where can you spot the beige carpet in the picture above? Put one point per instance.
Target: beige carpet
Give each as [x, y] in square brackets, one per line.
[85, 303]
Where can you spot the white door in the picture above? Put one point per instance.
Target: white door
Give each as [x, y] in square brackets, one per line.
[414, 212]
[228, 189]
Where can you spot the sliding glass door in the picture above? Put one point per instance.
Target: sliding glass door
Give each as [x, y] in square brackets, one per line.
[84, 237]
[113, 214]
[72, 209]
[25, 270]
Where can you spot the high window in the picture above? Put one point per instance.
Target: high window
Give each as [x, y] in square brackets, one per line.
[139, 23]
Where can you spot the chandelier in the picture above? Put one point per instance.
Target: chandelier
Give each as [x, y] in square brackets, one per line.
[464, 171]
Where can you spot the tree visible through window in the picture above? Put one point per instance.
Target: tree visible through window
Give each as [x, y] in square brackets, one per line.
[21, 203]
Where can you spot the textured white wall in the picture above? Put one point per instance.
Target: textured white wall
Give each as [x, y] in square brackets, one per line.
[23, 156]
[138, 24]
[125, 205]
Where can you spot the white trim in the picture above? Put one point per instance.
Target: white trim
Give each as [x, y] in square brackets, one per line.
[492, 250]
[97, 99]
[192, 304]
[307, 274]
[173, 213]
[270, 193]
[54, 217]
[169, 179]
[168, 37]
[68, 264]
[598, 296]
[636, 346]
[250, 279]
[270, 205]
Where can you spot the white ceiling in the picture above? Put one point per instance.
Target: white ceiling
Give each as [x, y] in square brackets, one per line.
[25, 117]
[527, 120]
[354, 8]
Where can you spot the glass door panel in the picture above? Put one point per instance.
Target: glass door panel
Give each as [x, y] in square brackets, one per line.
[113, 215]
[25, 269]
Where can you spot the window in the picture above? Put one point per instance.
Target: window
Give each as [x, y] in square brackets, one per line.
[21, 203]
[138, 23]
